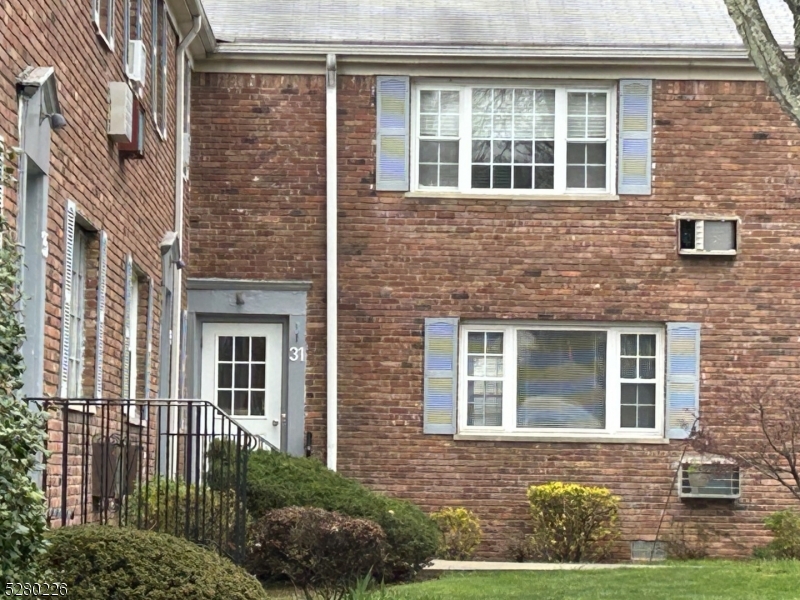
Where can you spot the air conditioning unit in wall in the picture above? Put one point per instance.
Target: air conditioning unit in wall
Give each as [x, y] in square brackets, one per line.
[120, 112]
[715, 237]
[136, 70]
[712, 481]
[135, 149]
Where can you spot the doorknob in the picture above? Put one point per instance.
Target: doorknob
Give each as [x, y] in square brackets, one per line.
[275, 422]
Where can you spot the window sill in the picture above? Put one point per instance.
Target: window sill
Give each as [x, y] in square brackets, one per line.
[561, 439]
[514, 197]
[107, 42]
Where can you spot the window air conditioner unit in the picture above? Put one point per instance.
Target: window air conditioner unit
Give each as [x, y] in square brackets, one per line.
[120, 112]
[135, 149]
[710, 480]
[137, 66]
[711, 237]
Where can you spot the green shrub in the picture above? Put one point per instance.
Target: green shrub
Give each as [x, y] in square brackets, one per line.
[323, 553]
[22, 433]
[225, 462]
[120, 563]
[460, 533]
[161, 506]
[571, 522]
[785, 527]
[277, 480]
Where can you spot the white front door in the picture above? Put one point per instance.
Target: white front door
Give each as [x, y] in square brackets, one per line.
[241, 374]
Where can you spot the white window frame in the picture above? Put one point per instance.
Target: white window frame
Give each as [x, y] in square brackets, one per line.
[77, 338]
[135, 413]
[560, 147]
[613, 430]
[159, 80]
[132, 31]
[108, 35]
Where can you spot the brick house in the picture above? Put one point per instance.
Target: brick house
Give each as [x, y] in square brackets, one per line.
[550, 250]
[98, 212]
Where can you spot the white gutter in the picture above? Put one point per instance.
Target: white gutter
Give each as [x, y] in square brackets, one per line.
[438, 52]
[177, 304]
[332, 378]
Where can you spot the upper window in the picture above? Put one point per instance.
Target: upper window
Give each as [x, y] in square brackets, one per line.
[103, 16]
[77, 337]
[558, 380]
[158, 71]
[530, 140]
[132, 25]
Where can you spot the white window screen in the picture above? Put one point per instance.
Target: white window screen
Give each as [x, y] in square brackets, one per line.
[77, 316]
[439, 135]
[561, 379]
[587, 131]
[638, 380]
[485, 378]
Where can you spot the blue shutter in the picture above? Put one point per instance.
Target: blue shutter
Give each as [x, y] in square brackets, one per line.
[392, 101]
[102, 285]
[66, 294]
[126, 335]
[635, 136]
[441, 358]
[683, 378]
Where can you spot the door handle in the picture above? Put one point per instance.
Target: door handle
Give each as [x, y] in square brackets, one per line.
[275, 422]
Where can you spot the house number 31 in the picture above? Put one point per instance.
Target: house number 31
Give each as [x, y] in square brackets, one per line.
[297, 353]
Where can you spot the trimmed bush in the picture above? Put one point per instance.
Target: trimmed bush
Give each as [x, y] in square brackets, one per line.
[460, 533]
[323, 553]
[162, 506]
[119, 563]
[571, 522]
[785, 527]
[277, 480]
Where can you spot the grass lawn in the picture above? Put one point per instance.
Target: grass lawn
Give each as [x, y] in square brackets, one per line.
[702, 580]
[707, 580]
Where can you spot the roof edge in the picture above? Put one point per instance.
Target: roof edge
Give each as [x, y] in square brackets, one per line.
[365, 51]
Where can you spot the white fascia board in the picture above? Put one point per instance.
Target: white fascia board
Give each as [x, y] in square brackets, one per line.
[512, 67]
[488, 52]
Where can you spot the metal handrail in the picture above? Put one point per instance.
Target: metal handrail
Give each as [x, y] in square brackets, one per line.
[182, 470]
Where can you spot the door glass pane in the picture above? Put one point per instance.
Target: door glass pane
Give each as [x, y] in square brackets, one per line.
[242, 376]
[257, 404]
[225, 348]
[225, 376]
[242, 349]
[240, 407]
[561, 379]
[257, 376]
[259, 349]
[224, 401]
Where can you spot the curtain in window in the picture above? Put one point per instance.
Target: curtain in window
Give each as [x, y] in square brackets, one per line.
[561, 379]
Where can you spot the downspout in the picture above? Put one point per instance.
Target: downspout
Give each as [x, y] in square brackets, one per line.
[177, 304]
[331, 257]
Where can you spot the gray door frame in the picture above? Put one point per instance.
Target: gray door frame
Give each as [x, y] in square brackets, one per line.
[250, 301]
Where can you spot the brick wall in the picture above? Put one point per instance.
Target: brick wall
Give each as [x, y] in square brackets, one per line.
[133, 200]
[258, 212]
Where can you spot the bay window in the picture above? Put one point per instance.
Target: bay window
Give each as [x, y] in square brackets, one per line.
[552, 380]
[513, 140]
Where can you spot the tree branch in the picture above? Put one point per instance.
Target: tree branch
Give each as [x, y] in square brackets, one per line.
[778, 70]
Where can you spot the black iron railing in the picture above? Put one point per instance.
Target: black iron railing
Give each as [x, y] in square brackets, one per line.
[174, 466]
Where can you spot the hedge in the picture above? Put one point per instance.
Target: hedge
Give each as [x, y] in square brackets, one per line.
[276, 480]
[121, 563]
